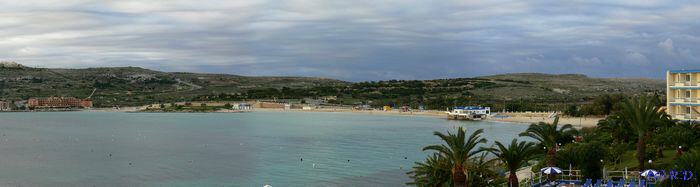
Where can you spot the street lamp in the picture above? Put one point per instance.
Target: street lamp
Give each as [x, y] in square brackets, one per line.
[601, 163]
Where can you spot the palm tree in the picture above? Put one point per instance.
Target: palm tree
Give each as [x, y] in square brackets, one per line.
[643, 114]
[549, 136]
[690, 162]
[514, 156]
[434, 171]
[618, 130]
[458, 149]
[481, 171]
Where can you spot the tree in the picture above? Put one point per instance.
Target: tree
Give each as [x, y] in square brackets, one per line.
[434, 171]
[482, 173]
[549, 137]
[514, 156]
[607, 103]
[688, 162]
[643, 114]
[584, 156]
[458, 149]
[616, 151]
[619, 130]
[572, 110]
[677, 135]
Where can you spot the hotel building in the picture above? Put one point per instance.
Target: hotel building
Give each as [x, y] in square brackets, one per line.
[59, 102]
[683, 94]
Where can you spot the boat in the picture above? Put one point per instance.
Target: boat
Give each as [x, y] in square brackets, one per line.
[469, 113]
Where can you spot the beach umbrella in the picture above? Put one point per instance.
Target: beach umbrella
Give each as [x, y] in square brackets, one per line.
[650, 172]
[551, 170]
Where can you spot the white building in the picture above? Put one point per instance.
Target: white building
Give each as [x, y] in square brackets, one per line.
[242, 106]
[469, 113]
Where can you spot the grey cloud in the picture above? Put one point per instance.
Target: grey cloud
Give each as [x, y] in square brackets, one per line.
[636, 58]
[356, 40]
[667, 46]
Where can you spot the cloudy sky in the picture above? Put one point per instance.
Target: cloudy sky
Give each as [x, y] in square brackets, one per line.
[357, 39]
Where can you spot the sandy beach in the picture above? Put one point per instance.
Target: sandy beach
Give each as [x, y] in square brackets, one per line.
[523, 118]
[577, 122]
[433, 113]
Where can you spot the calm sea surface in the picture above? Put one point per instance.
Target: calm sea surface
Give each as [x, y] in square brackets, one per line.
[211, 149]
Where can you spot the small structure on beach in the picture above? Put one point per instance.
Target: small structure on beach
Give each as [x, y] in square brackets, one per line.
[405, 109]
[268, 104]
[387, 108]
[5, 106]
[242, 106]
[308, 107]
[469, 113]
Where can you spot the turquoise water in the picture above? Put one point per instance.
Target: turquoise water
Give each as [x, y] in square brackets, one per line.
[212, 149]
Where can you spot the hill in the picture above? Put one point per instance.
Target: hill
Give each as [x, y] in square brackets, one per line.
[128, 86]
[120, 86]
[566, 86]
[515, 92]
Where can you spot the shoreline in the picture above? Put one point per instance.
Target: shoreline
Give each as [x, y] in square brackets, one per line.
[577, 122]
[430, 113]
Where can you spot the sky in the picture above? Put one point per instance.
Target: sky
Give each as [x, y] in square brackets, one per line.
[357, 40]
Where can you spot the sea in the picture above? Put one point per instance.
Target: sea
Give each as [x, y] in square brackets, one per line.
[221, 149]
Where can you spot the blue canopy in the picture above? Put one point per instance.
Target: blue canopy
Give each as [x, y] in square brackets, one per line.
[471, 108]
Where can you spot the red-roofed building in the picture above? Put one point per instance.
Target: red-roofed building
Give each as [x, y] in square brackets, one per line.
[59, 102]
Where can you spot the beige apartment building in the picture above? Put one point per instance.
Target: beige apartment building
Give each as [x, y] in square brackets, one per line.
[683, 94]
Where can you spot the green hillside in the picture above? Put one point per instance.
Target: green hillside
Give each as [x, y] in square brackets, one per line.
[515, 92]
[128, 86]
[125, 86]
[564, 87]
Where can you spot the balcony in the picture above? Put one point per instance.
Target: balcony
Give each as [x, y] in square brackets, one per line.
[685, 83]
[694, 117]
[686, 100]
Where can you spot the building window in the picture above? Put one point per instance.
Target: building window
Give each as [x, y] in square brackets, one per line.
[687, 110]
[688, 94]
[687, 77]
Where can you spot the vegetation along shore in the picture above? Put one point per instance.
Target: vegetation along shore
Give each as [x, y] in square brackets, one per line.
[637, 136]
[133, 86]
